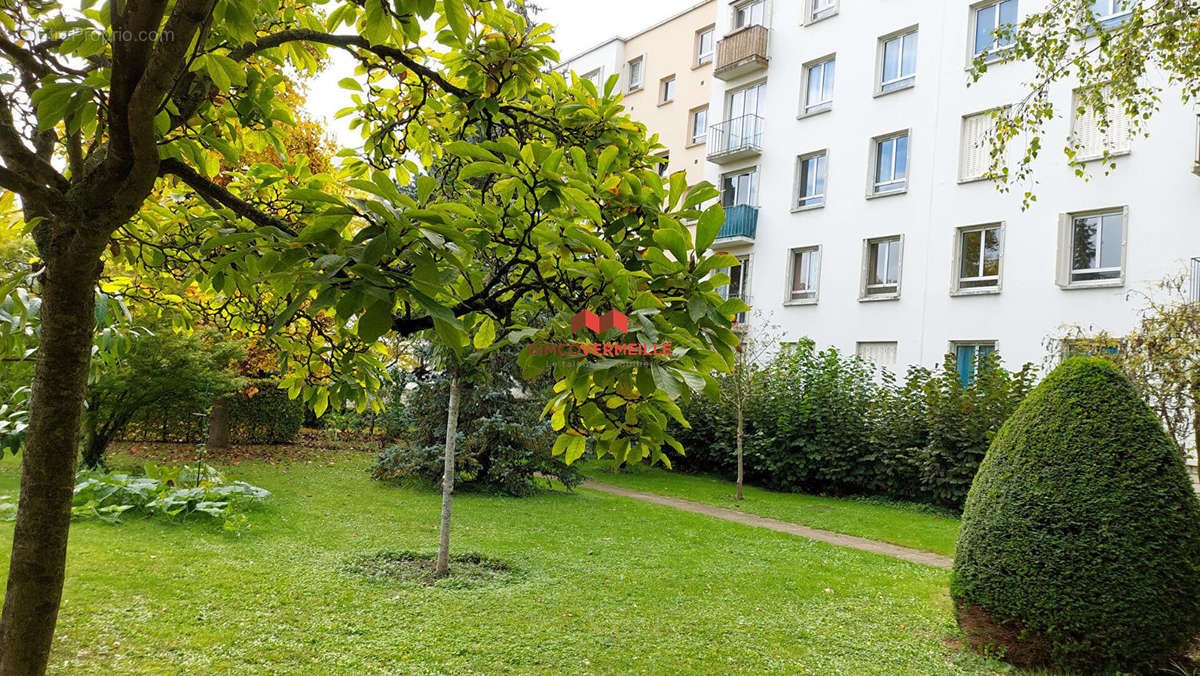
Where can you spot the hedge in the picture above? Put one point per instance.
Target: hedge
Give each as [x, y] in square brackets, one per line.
[1080, 543]
[261, 413]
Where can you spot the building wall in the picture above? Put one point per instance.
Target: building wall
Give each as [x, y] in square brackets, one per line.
[1154, 181]
[666, 49]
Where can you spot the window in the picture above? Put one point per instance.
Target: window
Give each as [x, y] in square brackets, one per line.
[704, 46]
[881, 278]
[821, 9]
[667, 89]
[978, 268]
[967, 357]
[637, 74]
[1090, 140]
[810, 180]
[898, 61]
[1092, 248]
[989, 17]
[818, 94]
[805, 275]
[739, 189]
[975, 151]
[1109, 13]
[879, 353]
[662, 166]
[890, 164]
[751, 13]
[595, 77]
[739, 285]
[699, 130]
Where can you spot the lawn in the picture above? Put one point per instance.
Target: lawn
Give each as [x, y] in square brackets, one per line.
[604, 584]
[905, 524]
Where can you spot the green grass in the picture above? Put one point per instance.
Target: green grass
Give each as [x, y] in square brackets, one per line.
[911, 525]
[602, 584]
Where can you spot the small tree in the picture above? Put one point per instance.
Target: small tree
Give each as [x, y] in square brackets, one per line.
[759, 340]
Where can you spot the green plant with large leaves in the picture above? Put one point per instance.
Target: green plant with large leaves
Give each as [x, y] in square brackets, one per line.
[123, 128]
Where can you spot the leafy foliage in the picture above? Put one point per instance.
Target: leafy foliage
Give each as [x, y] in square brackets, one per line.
[1082, 530]
[162, 491]
[1110, 61]
[259, 413]
[503, 441]
[821, 422]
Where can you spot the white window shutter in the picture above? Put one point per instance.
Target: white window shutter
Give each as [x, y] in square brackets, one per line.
[976, 157]
[1087, 132]
[1064, 250]
[1118, 139]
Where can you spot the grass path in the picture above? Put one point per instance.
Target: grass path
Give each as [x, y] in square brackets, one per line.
[839, 539]
[905, 524]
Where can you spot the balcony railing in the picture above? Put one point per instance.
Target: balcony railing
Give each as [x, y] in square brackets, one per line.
[741, 223]
[735, 139]
[742, 51]
[1193, 283]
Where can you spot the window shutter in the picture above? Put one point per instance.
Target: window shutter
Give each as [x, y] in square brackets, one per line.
[1118, 139]
[1064, 250]
[975, 153]
[1087, 132]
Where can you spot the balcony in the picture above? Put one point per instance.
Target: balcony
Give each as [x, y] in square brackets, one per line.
[741, 222]
[735, 139]
[741, 52]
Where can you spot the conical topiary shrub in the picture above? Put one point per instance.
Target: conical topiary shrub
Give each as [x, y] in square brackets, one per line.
[1080, 543]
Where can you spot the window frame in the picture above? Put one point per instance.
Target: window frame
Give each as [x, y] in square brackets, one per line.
[746, 278]
[964, 378]
[873, 182]
[808, 109]
[797, 186]
[598, 72]
[702, 58]
[858, 346]
[789, 297]
[738, 7]
[671, 82]
[810, 11]
[693, 138]
[956, 278]
[632, 87]
[993, 53]
[865, 294]
[882, 87]
[753, 186]
[1066, 249]
[1110, 20]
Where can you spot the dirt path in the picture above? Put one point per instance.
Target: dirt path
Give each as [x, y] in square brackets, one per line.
[851, 541]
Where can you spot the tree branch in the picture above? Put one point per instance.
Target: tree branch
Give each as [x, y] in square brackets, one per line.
[221, 197]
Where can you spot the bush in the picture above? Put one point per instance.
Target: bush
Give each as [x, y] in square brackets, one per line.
[503, 441]
[260, 413]
[162, 491]
[1080, 543]
[823, 422]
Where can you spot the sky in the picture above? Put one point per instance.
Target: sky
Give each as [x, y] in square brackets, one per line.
[579, 24]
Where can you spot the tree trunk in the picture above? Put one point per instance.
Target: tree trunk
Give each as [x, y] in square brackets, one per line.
[741, 427]
[443, 558]
[39, 549]
[218, 425]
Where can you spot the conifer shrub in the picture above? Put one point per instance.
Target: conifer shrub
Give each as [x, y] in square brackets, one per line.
[1080, 543]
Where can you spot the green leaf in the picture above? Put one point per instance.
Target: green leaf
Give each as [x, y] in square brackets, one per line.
[376, 321]
[707, 227]
[486, 334]
[574, 449]
[350, 83]
[606, 159]
[456, 17]
[665, 380]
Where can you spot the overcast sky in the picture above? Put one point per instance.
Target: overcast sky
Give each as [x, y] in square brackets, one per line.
[578, 25]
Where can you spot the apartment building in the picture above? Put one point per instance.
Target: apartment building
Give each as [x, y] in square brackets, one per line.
[665, 75]
[848, 148]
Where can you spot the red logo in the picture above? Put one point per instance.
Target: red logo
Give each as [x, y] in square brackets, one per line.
[586, 319]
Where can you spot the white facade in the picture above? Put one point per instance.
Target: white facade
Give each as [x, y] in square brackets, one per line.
[926, 305]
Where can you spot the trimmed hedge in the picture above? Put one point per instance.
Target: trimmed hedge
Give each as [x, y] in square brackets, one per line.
[1080, 542]
[261, 413]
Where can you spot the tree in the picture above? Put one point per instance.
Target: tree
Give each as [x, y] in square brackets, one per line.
[1080, 542]
[1115, 63]
[758, 341]
[142, 103]
[1160, 357]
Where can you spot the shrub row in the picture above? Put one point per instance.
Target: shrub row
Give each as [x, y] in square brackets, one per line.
[261, 413]
[820, 421]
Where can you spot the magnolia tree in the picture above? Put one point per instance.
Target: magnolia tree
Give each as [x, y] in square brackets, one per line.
[123, 129]
[1121, 54]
